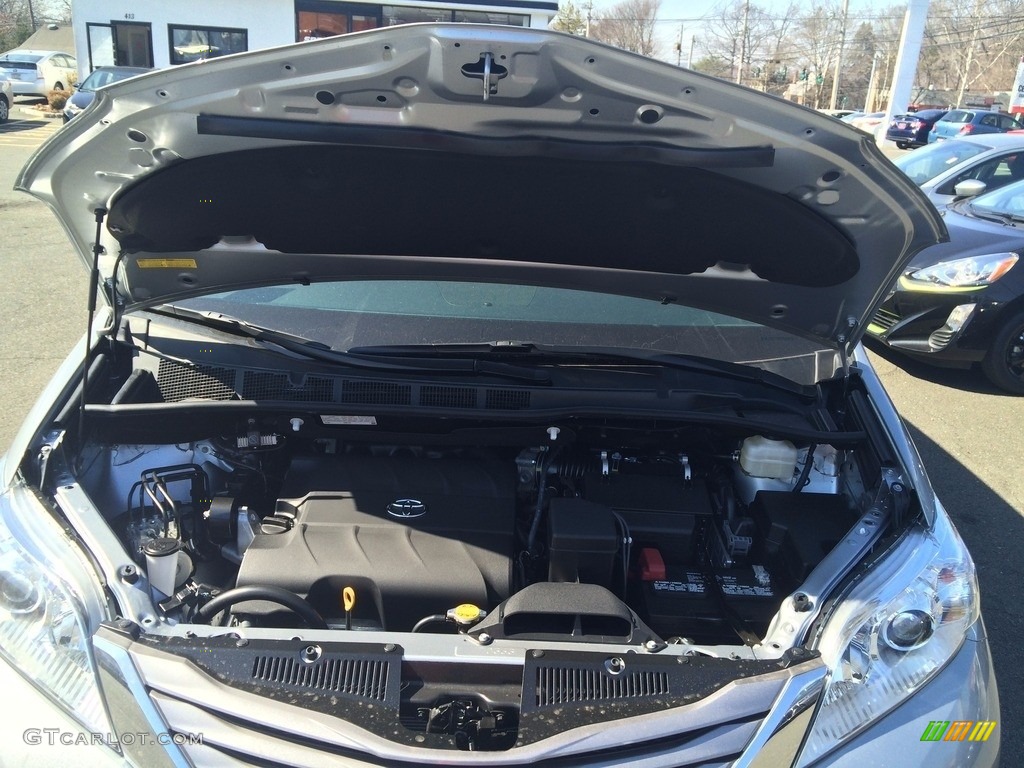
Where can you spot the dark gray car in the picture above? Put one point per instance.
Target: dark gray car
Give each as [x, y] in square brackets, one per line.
[99, 77]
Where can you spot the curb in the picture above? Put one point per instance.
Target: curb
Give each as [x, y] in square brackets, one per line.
[38, 115]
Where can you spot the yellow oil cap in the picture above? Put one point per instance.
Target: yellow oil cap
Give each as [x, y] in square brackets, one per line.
[467, 613]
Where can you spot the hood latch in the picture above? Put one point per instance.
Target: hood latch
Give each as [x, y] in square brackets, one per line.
[487, 70]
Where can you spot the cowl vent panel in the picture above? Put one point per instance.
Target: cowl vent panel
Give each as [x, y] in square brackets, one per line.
[365, 678]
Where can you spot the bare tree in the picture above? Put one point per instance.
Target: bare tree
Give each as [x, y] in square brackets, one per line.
[753, 40]
[15, 23]
[972, 45]
[816, 40]
[629, 24]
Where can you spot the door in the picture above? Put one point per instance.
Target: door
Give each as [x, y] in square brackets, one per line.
[133, 45]
[101, 45]
[124, 44]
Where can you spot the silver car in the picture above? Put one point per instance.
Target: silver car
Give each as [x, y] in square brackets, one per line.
[6, 100]
[36, 73]
[990, 161]
[465, 395]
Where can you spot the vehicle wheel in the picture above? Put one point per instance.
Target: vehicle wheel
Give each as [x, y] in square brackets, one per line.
[902, 145]
[5, 109]
[1004, 361]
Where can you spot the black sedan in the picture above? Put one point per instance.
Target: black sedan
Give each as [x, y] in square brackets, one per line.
[911, 130]
[962, 302]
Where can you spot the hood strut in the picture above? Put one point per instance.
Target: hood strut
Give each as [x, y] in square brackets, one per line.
[94, 280]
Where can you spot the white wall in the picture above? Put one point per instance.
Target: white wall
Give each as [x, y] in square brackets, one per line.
[268, 22]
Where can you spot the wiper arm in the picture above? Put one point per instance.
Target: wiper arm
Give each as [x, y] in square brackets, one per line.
[1002, 217]
[315, 350]
[555, 355]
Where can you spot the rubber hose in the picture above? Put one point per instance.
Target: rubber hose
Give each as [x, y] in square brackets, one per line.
[262, 592]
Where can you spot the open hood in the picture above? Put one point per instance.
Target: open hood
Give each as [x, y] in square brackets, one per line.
[483, 153]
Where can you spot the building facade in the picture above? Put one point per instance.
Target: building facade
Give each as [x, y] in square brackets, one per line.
[161, 33]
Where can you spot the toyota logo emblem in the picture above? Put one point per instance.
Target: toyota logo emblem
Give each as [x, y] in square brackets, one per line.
[407, 508]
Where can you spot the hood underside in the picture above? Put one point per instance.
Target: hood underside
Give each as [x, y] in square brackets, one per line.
[483, 153]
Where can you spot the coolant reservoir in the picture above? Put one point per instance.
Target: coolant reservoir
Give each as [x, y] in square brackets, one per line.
[761, 457]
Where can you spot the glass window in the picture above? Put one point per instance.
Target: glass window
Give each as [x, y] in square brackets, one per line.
[314, 25]
[483, 17]
[343, 315]
[195, 43]
[958, 116]
[923, 165]
[397, 14]
[359, 22]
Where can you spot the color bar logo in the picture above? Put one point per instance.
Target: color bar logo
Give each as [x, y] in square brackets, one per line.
[958, 730]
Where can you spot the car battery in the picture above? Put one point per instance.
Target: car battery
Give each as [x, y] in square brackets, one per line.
[684, 604]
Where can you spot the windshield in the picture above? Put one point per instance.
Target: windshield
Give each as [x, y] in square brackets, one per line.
[1008, 200]
[363, 313]
[20, 61]
[102, 77]
[924, 164]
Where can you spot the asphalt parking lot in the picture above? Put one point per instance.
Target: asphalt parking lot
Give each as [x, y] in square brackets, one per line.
[969, 434]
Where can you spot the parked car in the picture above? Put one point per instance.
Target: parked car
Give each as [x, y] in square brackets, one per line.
[36, 73]
[839, 114]
[911, 130]
[868, 123]
[369, 456]
[99, 77]
[6, 100]
[964, 122]
[995, 159]
[962, 303]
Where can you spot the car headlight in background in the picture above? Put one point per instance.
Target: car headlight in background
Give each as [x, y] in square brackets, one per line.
[893, 633]
[50, 602]
[971, 272]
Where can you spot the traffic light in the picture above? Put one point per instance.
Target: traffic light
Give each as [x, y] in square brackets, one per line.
[803, 74]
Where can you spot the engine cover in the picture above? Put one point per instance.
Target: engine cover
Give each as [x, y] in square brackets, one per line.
[412, 536]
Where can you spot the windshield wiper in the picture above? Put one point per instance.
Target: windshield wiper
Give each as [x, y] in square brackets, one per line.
[589, 356]
[1002, 217]
[315, 350]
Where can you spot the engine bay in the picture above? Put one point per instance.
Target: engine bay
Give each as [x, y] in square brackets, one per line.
[589, 534]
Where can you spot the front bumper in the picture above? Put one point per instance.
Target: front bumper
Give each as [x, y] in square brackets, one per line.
[916, 323]
[37, 733]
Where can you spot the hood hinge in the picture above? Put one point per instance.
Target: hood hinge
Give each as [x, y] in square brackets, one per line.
[842, 341]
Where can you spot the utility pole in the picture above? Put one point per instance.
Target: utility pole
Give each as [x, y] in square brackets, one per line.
[869, 101]
[689, 59]
[679, 47]
[839, 58]
[743, 40]
[590, 17]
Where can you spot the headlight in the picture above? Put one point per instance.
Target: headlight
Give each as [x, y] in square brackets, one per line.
[893, 633]
[974, 271]
[47, 596]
